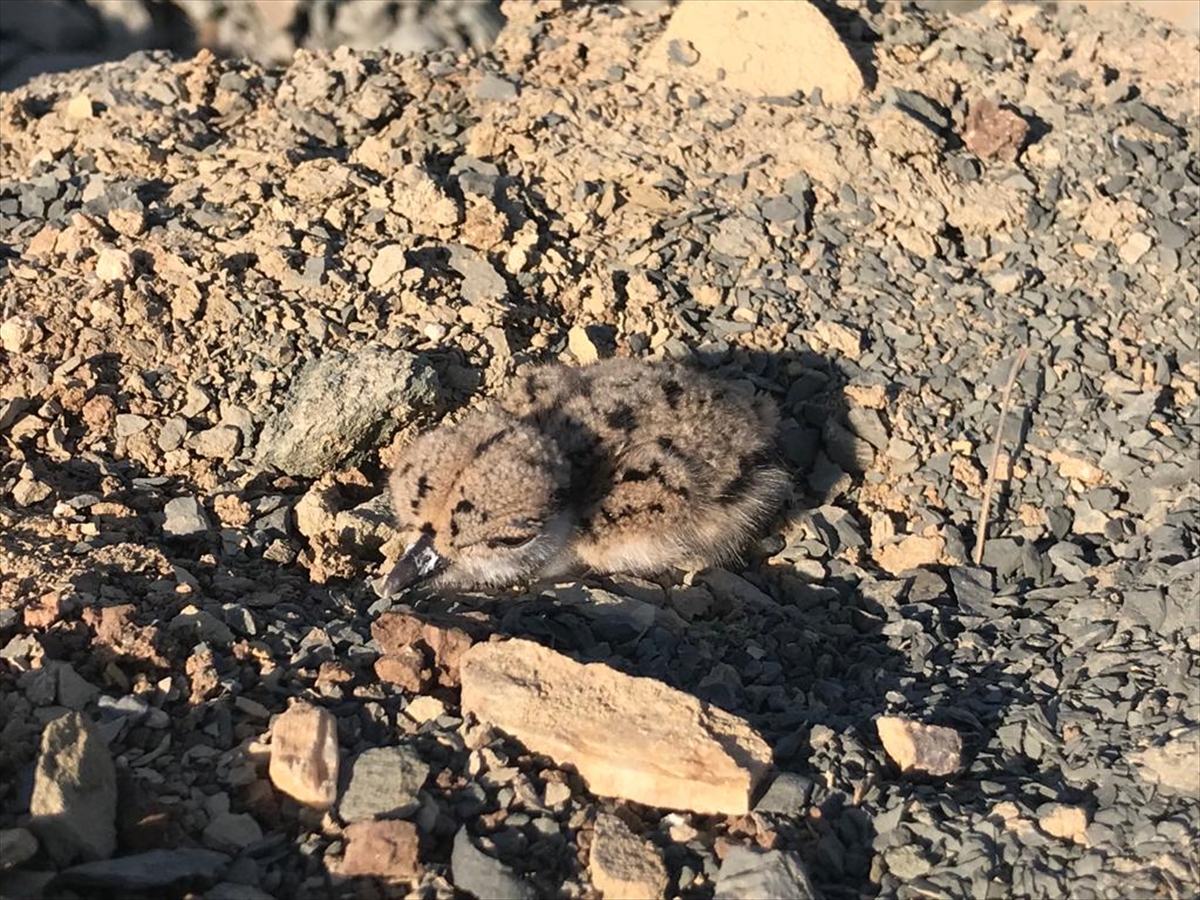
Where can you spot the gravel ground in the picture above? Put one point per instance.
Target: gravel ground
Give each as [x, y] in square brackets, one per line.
[200, 260]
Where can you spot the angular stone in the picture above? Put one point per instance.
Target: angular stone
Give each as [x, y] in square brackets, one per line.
[130, 424]
[390, 261]
[383, 781]
[344, 404]
[19, 333]
[232, 831]
[992, 131]
[152, 870]
[622, 864]
[383, 848]
[406, 640]
[932, 749]
[304, 755]
[1067, 822]
[1174, 765]
[481, 875]
[628, 737]
[764, 47]
[1076, 468]
[16, 846]
[185, 517]
[114, 265]
[74, 692]
[406, 668]
[1136, 246]
[74, 806]
[579, 342]
[911, 552]
[219, 442]
[789, 794]
[751, 874]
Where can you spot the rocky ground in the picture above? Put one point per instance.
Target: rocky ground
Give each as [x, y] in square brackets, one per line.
[231, 294]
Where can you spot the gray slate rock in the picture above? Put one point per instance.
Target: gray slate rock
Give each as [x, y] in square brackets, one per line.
[74, 692]
[481, 283]
[493, 87]
[74, 805]
[232, 831]
[148, 871]
[788, 794]
[750, 874]
[483, 876]
[343, 405]
[185, 517]
[383, 781]
[16, 846]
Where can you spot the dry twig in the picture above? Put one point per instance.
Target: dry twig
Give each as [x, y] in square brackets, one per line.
[985, 509]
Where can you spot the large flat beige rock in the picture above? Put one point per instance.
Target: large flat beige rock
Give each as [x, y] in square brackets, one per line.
[763, 47]
[628, 737]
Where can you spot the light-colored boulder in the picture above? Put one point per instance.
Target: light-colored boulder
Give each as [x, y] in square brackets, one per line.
[628, 737]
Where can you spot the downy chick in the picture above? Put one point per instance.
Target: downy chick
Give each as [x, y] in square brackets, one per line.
[619, 467]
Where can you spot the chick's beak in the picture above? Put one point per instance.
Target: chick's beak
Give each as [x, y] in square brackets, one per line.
[419, 562]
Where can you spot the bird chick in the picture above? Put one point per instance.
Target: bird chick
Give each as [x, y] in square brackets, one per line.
[623, 466]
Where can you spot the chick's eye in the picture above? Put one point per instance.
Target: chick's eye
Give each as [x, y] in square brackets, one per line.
[512, 541]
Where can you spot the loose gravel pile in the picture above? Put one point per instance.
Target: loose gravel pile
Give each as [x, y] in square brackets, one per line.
[230, 295]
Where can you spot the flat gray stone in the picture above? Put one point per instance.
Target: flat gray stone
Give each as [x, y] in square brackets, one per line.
[384, 781]
[232, 831]
[475, 872]
[16, 846]
[185, 517]
[150, 870]
[343, 405]
[789, 794]
[750, 874]
[74, 692]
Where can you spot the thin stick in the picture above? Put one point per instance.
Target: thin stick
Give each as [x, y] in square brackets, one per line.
[1005, 399]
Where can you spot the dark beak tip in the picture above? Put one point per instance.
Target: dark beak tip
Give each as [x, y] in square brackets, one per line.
[419, 563]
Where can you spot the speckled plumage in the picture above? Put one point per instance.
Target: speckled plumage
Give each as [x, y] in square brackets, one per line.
[619, 467]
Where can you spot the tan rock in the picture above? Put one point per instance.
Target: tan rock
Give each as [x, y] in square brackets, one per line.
[405, 668]
[628, 737]
[764, 47]
[869, 396]
[581, 346]
[1136, 246]
[624, 866]
[304, 755]
[1076, 468]
[1174, 765]
[316, 511]
[424, 708]
[389, 262]
[931, 749]
[80, 107]
[42, 244]
[911, 552]
[129, 222]
[1010, 816]
[383, 848]
[73, 810]
[114, 265]
[19, 333]
[845, 340]
[1066, 822]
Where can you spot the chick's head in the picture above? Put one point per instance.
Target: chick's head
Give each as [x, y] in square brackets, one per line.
[480, 503]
